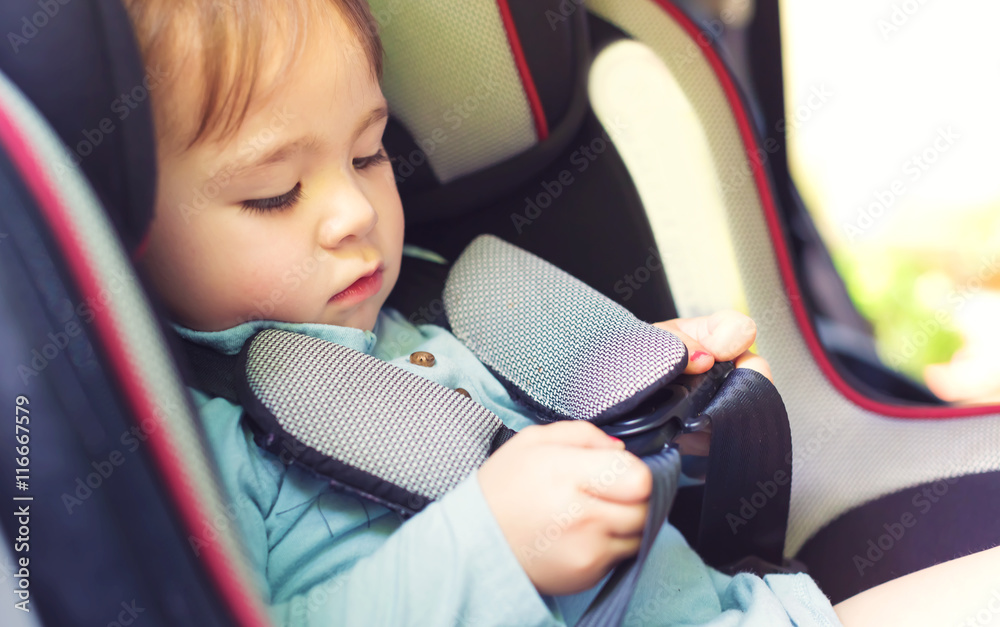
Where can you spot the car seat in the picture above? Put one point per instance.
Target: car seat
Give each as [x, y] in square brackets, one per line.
[126, 521]
[482, 141]
[685, 158]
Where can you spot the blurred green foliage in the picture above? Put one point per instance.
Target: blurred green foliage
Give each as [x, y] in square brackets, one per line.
[910, 303]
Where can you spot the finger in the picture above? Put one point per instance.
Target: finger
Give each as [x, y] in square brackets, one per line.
[699, 359]
[618, 476]
[725, 334]
[619, 520]
[730, 334]
[754, 361]
[573, 433]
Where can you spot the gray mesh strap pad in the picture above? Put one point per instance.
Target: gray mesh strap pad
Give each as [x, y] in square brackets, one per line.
[560, 347]
[360, 422]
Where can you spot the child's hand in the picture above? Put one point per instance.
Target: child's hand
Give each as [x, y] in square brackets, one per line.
[723, 336]
[570, 501]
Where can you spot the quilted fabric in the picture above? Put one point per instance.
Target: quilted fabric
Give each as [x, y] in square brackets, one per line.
[368, 413]
[553, 340]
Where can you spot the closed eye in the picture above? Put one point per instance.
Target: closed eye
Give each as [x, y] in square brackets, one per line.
[364, 163]
[275, 203]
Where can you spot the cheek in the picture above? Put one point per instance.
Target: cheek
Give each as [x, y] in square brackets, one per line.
[275, 273]
[390, 211]
[287, 282]
[264, 284]
[213, 276]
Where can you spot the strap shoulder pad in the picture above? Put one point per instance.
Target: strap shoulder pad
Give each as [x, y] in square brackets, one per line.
[361, 422]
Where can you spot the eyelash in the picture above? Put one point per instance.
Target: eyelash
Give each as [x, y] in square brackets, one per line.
[275, 203]
[370, 162]
[292, 196]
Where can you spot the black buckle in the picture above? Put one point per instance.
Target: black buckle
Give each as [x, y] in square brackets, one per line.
[671, 411]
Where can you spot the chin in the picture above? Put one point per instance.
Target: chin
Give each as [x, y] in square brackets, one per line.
[363, 318]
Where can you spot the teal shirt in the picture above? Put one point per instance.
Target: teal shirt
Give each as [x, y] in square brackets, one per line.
[325, 558]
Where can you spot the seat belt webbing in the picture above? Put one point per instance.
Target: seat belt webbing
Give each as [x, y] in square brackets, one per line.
[749, 482]
[609, 606]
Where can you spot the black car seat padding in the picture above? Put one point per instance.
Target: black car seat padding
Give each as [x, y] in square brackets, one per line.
[106, 376]
[82, 70]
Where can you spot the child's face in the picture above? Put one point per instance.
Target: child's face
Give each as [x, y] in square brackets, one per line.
[279, 220]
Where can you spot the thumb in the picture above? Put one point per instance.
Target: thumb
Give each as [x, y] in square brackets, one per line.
[576, 433]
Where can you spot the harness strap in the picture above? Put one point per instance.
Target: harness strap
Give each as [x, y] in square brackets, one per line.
[748, 487]
[746, 496]
[750, 454]
[609, 606]
[211, 371]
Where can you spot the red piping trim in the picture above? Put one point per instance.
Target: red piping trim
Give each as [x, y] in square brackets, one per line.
[534, 102]
[246, 608]
[784, 257]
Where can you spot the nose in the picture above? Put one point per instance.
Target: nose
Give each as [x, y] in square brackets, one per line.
[347, 214]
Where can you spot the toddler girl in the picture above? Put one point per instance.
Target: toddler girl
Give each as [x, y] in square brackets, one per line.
[277, 208]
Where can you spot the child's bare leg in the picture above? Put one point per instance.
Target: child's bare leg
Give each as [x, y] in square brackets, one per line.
[963, 591]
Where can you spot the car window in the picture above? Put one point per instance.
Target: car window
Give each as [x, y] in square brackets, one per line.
[898, 169]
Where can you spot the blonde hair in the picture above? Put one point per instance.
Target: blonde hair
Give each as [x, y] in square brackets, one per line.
[231, 37]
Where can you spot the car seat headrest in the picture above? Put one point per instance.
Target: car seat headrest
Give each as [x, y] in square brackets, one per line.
[79, 64]
[483, 95]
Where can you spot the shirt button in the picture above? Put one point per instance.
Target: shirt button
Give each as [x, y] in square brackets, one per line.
[422, 358]
[463, 392]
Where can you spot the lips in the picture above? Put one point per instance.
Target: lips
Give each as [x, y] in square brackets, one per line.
[364, 287]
